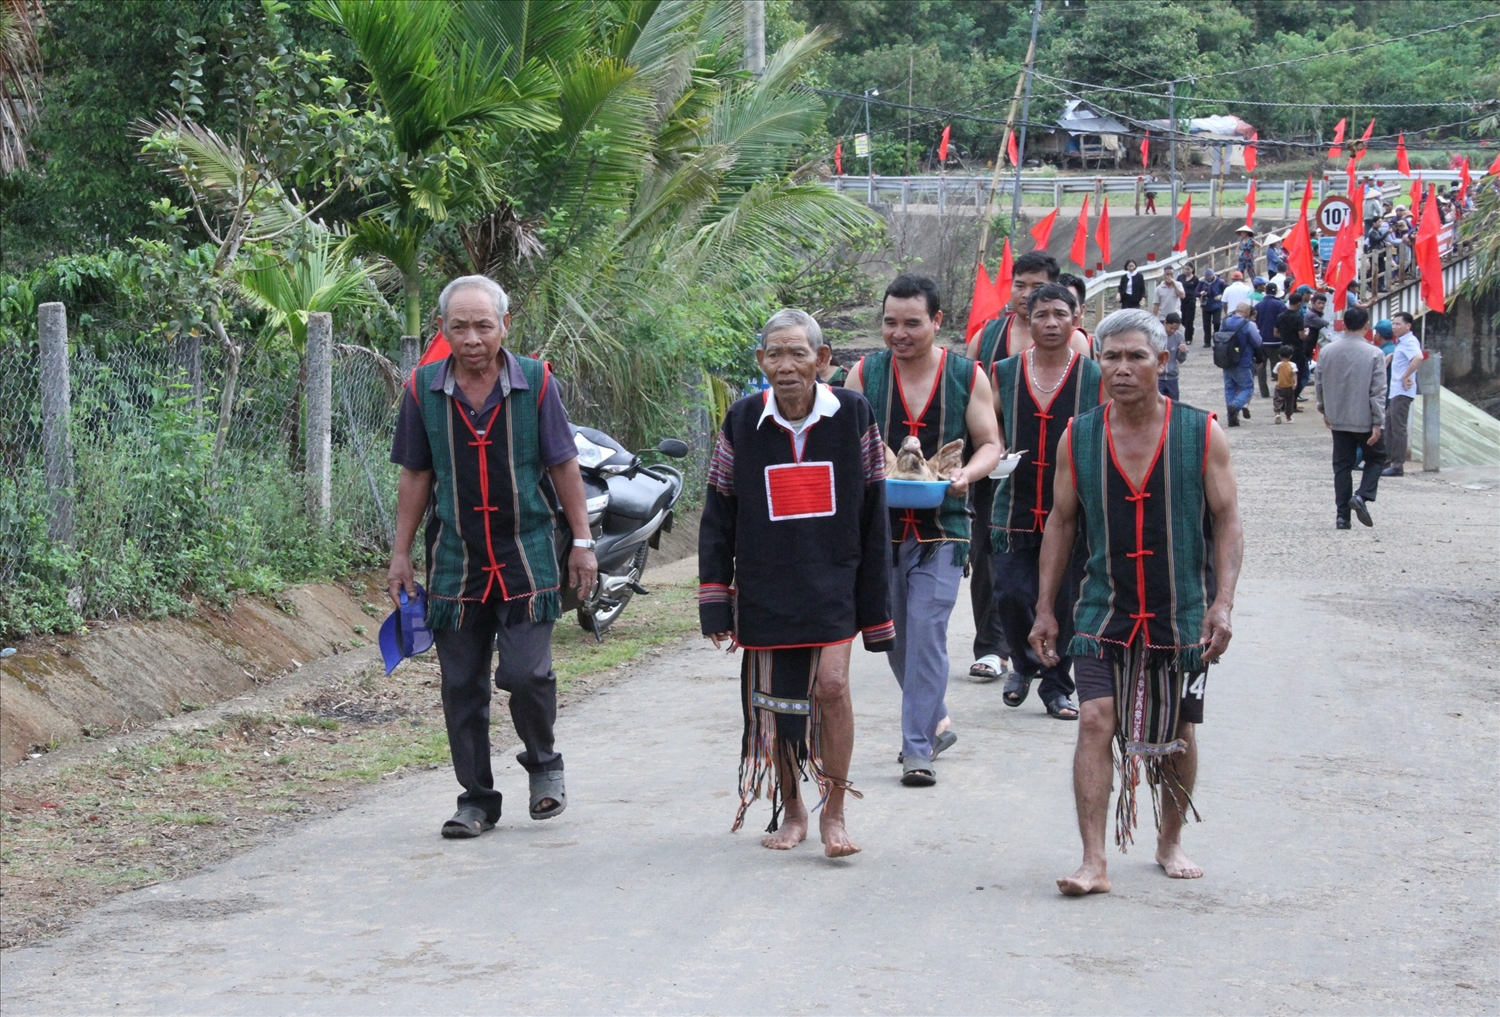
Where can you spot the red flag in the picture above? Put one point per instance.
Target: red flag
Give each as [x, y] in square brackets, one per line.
[1005, 275]
[1494, 169]
[1338, 137]
[838, 158]
[1080, 250]
[1186, 218]
[1011, 150]
[1401, 163]
[1145, 151]
[1341, 265]
[943, 145]
[1250, 157]
[437, 349]
[1416, 196]
[1429, 261]
[1250, 205]
[984, 305]
[1101, 235]
[1364, 141]
[1042, 231]
[1299, 244]
[1464, 179]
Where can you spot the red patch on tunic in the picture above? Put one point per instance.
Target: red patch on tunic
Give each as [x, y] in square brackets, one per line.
[800, 490]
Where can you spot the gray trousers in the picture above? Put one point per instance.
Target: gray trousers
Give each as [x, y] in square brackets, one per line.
[1397, 438]
[524, 669]
[924, 588]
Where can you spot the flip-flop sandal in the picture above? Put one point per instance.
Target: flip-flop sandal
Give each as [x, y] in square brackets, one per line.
[1017, 688]
[1059, 704]
[548, 784]
[987, 669]
[918, 773]
[469, 821]
[943, 742]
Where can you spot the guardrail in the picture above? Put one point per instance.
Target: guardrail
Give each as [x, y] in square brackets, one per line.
[975, 190]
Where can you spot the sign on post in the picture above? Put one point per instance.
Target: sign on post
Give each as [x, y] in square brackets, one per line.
[861, 145]
[1334, 212]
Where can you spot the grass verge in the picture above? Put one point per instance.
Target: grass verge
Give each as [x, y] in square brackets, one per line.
[129, 817]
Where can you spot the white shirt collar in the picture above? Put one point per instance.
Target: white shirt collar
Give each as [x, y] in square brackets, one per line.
[825, 404]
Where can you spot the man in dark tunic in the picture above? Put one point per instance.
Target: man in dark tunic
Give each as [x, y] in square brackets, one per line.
[482, 441]
[1152, 482]
[1036, 394]
[793, 563]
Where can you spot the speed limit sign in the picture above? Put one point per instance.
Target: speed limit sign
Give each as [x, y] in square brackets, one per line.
[1334, 213]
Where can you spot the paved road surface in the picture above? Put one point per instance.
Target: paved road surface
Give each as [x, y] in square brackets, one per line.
[1348, 789]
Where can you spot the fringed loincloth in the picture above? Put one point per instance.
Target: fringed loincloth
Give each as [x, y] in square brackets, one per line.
[1148, 701]
[781, 714]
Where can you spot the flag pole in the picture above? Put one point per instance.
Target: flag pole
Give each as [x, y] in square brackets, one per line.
[1172, 154]
[1010, 124]
[1015, 202]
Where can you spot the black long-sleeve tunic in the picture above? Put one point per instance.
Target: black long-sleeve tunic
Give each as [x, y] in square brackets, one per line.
[795, 550]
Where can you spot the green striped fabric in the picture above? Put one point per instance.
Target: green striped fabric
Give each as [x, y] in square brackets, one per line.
[951, 402]
[458, 554]
[1008, 380]
[1179, 570]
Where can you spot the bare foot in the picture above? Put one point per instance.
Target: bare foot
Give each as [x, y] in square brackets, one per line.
[836, 840]
[793, 831]
[1178, 865]
[1088, 879]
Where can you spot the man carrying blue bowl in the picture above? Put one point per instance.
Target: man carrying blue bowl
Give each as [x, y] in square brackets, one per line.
[918, 389]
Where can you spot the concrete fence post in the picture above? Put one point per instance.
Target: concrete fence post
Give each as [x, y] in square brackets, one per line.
[411, 352]
[57, 441]
[1057, 194]
[319, 415]
[1430, 381]
[1286, 198]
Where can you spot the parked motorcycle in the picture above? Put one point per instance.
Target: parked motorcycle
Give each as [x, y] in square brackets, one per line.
[630, 506]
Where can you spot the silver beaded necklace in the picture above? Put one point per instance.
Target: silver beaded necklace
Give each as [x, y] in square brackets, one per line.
[1031, 364]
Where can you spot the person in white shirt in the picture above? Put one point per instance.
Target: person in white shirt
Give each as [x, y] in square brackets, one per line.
[1167, 298]
[1238, 290]
[1403, 389]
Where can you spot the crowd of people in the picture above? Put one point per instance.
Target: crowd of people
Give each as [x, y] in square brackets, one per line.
[1068, 456]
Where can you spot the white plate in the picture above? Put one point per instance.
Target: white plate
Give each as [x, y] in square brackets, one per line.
[1006, 466]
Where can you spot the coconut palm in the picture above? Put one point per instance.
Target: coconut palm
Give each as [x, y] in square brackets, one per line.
[444, 93]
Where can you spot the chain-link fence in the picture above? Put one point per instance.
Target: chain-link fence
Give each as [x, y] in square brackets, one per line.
[188, 476]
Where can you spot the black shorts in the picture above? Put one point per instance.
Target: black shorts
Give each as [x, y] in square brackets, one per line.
[1095, 679]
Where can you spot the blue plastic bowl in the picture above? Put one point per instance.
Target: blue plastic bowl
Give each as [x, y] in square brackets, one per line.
[915, 494]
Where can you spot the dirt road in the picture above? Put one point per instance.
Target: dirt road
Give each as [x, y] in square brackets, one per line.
[1348, 790]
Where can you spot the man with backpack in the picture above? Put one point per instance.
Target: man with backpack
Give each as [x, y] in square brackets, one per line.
[1236, 346]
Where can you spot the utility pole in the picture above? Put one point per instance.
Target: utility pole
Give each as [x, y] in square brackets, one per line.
[755, 36]
[1172, 154]
[869, 149]
[1010, 124]
[911, 68]
[1036, 20]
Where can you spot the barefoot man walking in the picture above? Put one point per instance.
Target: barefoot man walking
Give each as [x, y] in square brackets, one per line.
[793, 561]
[1152, 480]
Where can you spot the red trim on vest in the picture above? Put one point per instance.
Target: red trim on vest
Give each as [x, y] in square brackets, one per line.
[915, 425]
[481, 442]
[1138, 495]
[546, 377]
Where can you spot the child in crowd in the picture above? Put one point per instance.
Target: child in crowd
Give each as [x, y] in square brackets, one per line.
[1286, 386]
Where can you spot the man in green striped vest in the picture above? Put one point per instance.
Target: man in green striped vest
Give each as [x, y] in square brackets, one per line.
[485, 452]
[1152, 481]
[920, 390]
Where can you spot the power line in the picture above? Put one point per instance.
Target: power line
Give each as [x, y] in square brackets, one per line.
[1335, 52]
[1471, 104]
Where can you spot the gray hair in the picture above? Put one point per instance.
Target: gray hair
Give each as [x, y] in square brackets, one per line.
[475, 282]
[791, 317]
[1133, 319]
[1243, 308]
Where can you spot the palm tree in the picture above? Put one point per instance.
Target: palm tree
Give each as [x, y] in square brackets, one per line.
[444, 92]
[20, 63]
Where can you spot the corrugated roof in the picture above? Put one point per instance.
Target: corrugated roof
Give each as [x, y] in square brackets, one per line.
[1080, 118]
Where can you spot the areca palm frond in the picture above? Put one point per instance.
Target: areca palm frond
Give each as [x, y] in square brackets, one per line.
[522, 30]
[774, 215]
[313, 277]
[433, 82]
